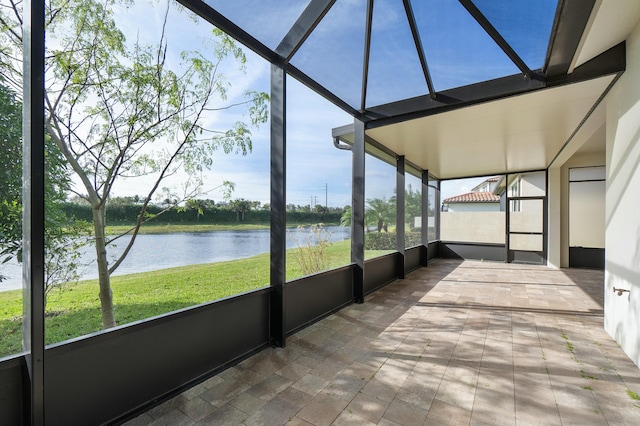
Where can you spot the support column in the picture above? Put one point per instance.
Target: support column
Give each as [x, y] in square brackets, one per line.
[554, 231]
[400, 201]
[357, 211]
[424, 220]
[278, 232]
[33, 203]
[436, 213]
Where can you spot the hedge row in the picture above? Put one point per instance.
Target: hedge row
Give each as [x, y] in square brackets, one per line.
[387, 240]
[128, 214]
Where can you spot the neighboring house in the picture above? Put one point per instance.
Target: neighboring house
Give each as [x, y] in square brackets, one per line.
[481, 199]
[487, 185]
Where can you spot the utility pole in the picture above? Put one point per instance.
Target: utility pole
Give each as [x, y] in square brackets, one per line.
[326, 196]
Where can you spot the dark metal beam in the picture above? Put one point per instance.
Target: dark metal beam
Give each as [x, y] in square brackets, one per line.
[302, 28]
[278, 228]
[214, 17]
[419, 48]
[612, 61]
[367, 54]
[324, 92]
[572, 17]
[357, 210]
[33, 224]
[497, 37]
[400, 208]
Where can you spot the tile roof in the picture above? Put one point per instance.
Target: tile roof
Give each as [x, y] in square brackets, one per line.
[474, 197]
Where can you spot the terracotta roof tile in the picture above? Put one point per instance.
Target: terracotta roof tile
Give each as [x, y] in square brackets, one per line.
[474, 197]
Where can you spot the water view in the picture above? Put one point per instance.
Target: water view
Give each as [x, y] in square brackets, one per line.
[160, 251]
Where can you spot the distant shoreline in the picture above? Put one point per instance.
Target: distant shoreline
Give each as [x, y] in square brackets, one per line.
[170, 228]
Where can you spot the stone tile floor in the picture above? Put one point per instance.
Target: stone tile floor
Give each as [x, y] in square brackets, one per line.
[457, 343]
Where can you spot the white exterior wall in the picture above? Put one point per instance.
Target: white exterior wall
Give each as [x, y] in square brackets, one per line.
[473, 227]
[533, 185]
[622, 234]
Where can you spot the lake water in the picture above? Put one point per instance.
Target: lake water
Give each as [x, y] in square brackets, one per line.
[153, 252]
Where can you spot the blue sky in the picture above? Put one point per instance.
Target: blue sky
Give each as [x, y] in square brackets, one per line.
[333, 55]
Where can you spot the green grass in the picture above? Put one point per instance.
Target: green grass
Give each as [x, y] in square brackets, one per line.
[633, 395]
[75, 311]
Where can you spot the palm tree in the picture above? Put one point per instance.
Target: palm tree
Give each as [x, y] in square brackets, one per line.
[379, 212]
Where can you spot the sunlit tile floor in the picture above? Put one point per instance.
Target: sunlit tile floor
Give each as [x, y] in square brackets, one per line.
[457, 343]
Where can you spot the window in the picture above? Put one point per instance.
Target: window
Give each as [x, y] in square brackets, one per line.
[412, 208]
[318, 185]
[380, 203]
[469, 215]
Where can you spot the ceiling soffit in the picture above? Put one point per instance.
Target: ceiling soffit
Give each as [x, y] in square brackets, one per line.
[516, 134]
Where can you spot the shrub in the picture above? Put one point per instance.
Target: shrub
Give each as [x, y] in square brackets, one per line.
[312, 246]
[387, 240]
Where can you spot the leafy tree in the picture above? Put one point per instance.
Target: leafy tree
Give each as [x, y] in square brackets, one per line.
[10, 175]
[413, 206]
[117, 110]
[240, 206]
[198, 205]
[62, 236]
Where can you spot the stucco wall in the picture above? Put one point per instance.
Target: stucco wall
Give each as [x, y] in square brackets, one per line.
[533, 184]
[622, 235]
[473, 227]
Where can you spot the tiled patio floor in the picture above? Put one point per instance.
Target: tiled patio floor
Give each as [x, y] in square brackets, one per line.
[456, 343]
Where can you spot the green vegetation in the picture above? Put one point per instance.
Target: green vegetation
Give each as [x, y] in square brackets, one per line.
[75, 311]
[633, 395]
[123, 212]
[380, 220]
[62, 236]
[312, 244]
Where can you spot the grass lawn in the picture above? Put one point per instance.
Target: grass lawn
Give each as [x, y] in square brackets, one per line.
[75, 311]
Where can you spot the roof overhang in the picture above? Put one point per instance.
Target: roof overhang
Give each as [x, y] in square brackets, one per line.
[518, 133]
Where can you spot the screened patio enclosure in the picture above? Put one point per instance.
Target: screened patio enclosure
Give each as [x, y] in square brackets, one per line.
[437, 89]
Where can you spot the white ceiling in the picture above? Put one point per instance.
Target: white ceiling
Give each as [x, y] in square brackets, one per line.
[519, 133]
[525, 132]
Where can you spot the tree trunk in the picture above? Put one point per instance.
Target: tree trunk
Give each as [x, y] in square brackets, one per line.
[106, 296]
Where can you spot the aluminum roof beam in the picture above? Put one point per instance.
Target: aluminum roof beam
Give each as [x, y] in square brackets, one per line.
[498, 39]
[572, 18]
[367, 54]
[418, 42]
[214, 17]
[306, 23]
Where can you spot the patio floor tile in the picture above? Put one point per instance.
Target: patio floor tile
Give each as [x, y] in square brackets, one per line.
[458, 342]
